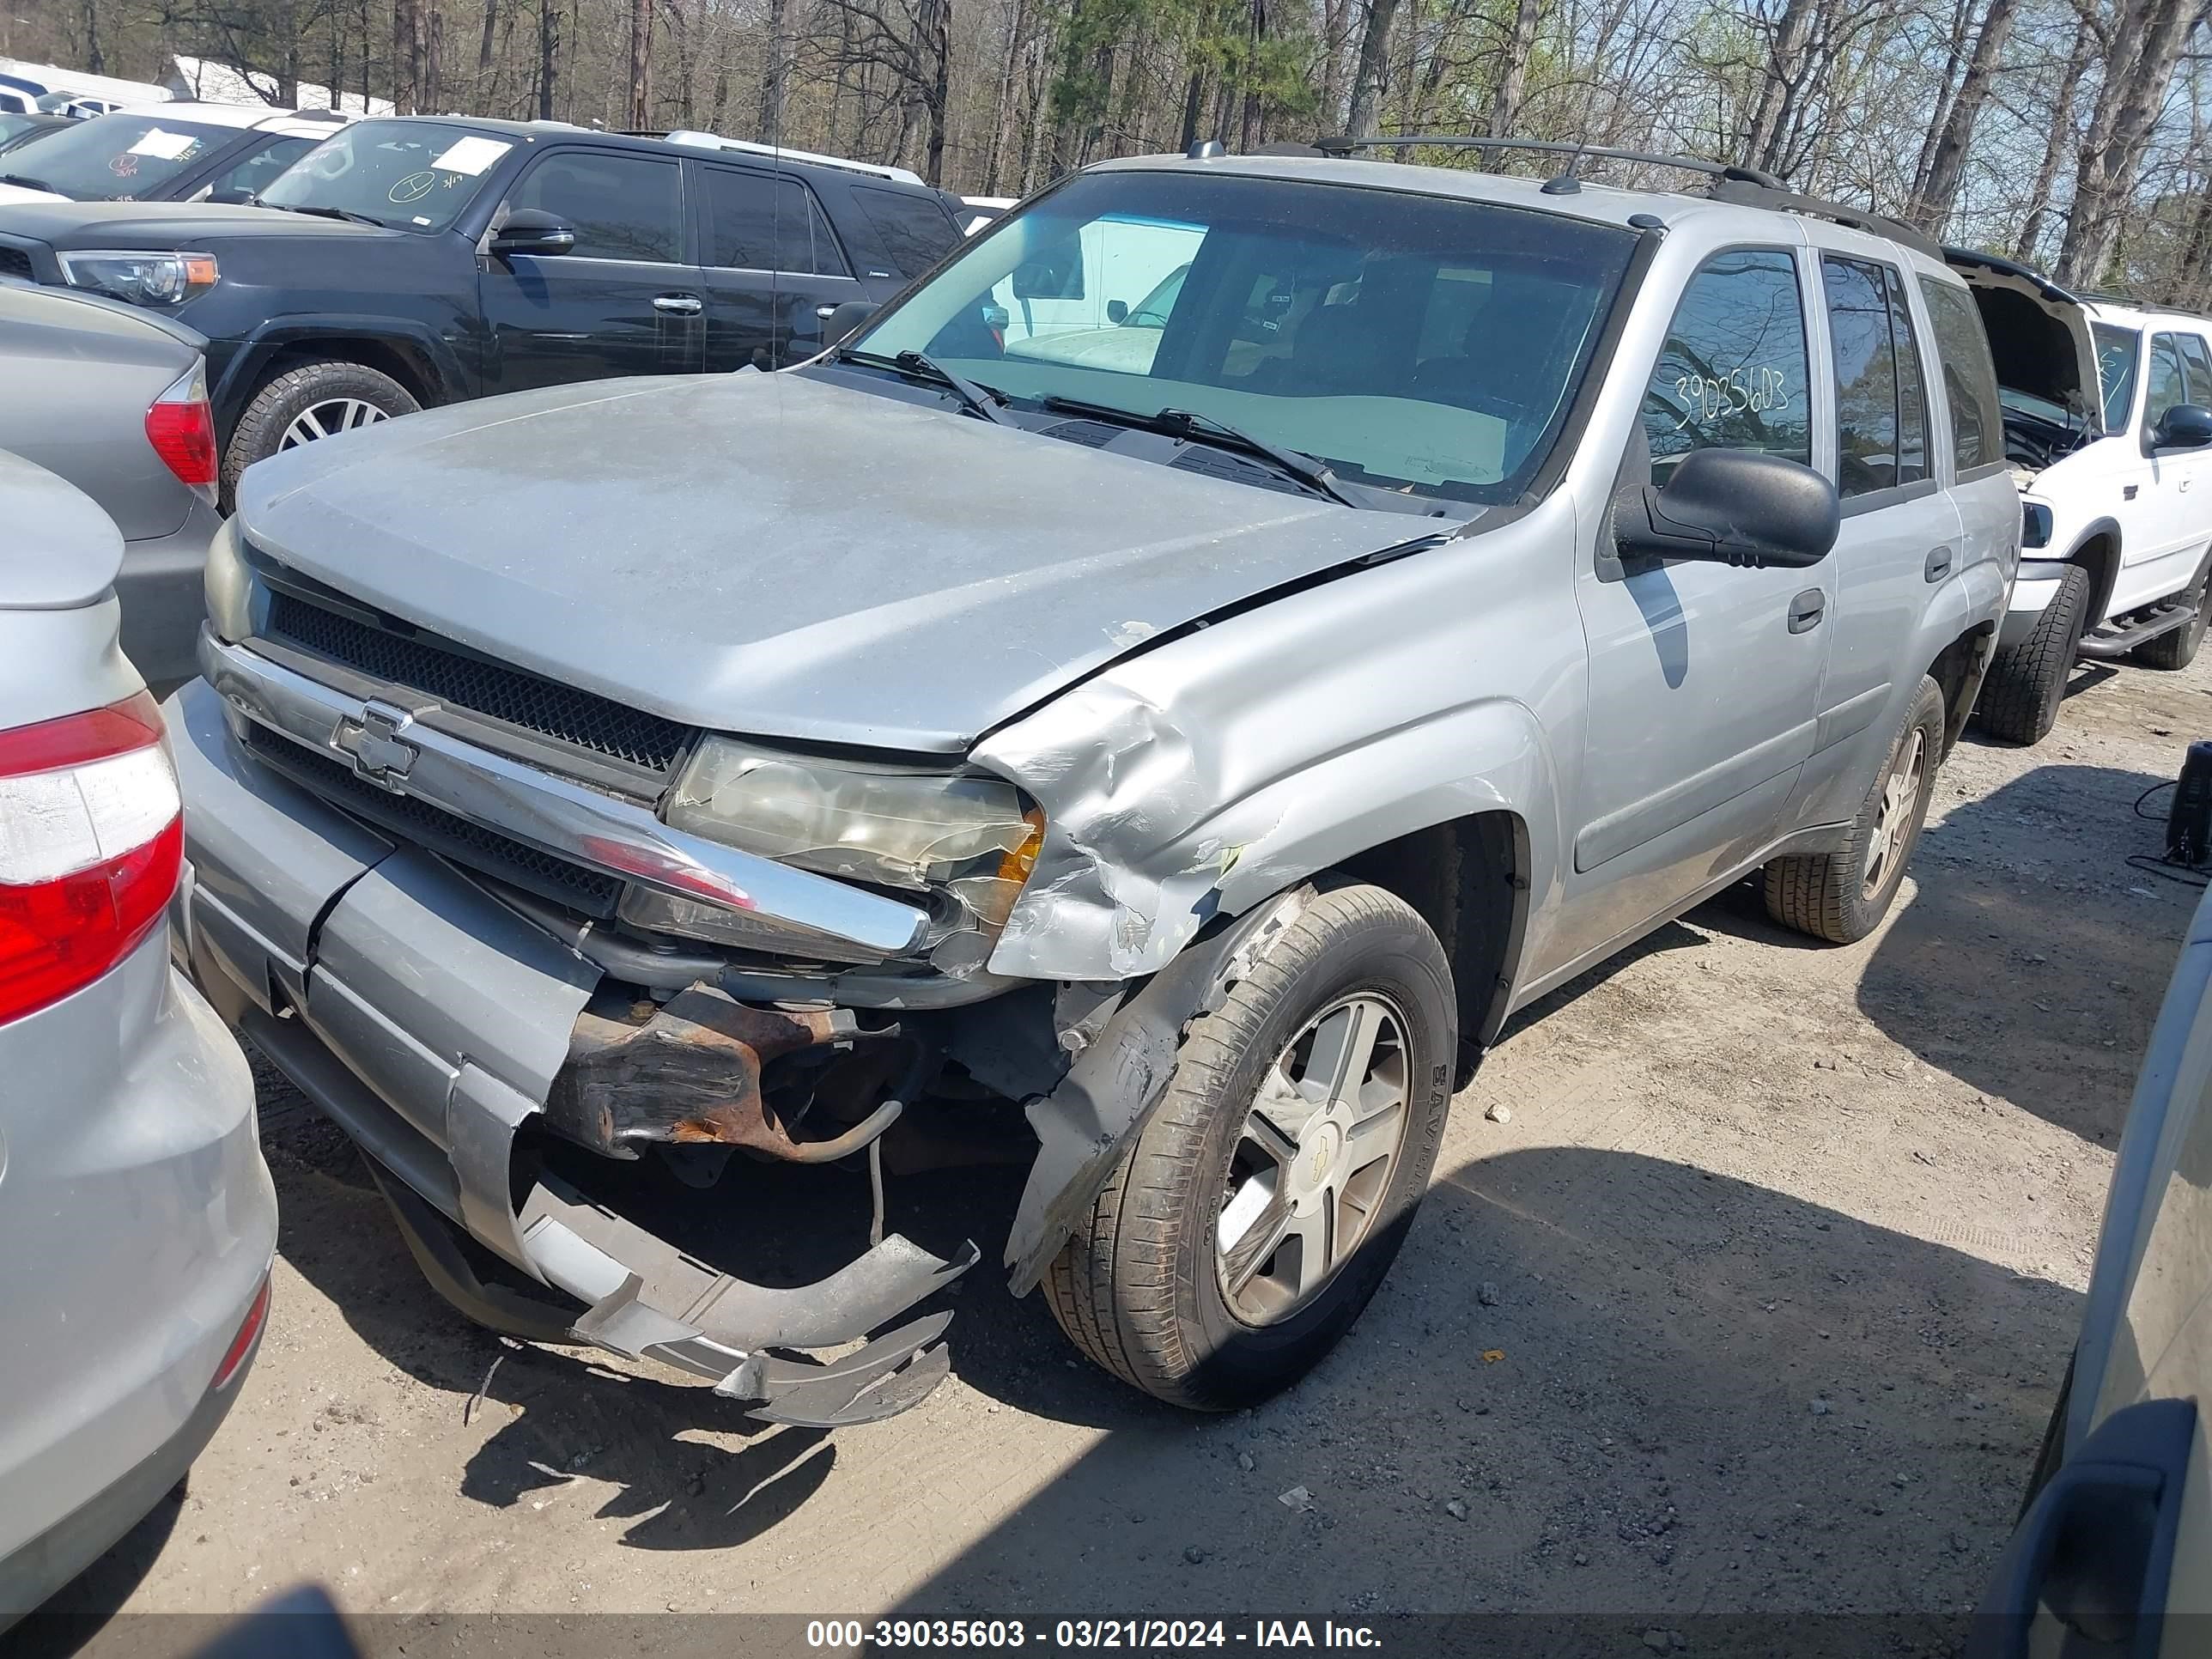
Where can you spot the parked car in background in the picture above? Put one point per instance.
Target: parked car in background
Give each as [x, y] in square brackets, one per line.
[171, 153]
[2108, 417]
[134, 1202]
[114, 399]
[17, 130]
[2111, 1553]
[656, 769]
[357, 291]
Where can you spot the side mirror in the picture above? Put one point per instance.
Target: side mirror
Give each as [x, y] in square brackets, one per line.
[533, 230]
[1731, 507]
[1117, 311]
[2185, 426]
[234, 197]
[844, 321]
[1035, 280]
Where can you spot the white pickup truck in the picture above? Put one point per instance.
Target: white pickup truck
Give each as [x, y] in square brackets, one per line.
[2108, 418]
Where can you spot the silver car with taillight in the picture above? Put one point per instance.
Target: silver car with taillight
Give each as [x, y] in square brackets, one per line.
[137, 1215]
[114, 399]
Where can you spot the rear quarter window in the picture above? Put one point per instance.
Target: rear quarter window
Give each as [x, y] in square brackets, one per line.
[914, 230]
[1969, 373]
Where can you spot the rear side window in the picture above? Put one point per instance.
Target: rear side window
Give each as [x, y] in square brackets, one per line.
[2167, 385]
[622, 207]
[2200, 369]
[914, 229]
[1732, 373]
[757, 222]
[1882, 416]
[1970, 377]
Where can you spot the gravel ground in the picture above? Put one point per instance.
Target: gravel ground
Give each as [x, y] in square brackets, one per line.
[1756, 1302]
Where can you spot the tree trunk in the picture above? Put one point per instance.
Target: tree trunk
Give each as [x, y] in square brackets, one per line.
[95, 60]
[433, 56]
[1248, 137]
[1947, 163]
[771, 97]
[1002, 128]
[1367, 74]
[1513, 73]
[549, 50]
[1770, 118]
[2147, 46]
[641, 63]
[403, 48]
[933, 53]
[2054, 152]
[1947, 88]
[484, 45]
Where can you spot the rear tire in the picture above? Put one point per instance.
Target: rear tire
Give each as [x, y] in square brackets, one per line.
[1842, 896]
[2179, 649]
[2019, 697]
[329, 393]
[1144, 1285]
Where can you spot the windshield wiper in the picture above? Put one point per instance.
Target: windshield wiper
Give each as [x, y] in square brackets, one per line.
[346, 214]
[918, 365]
[1189, 425]
[25, 182]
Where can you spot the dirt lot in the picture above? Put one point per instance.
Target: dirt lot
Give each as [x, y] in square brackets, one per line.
[1756, 1303]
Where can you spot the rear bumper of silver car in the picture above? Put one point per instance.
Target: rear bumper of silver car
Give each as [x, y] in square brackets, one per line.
[430, 1021]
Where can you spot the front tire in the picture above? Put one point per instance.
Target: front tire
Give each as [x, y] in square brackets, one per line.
[1842, 896]
[310, 401]
[2019, 703]
[1257, 1210]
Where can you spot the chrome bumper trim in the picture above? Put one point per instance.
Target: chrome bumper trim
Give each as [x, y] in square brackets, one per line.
[387, 747]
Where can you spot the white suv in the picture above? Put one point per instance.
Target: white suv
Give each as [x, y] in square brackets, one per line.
[2108, 417]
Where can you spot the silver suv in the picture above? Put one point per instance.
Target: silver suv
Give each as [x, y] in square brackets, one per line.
[1203, 738]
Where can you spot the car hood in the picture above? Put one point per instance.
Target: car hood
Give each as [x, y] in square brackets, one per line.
[781, 555]
[2039, 333]
[64, 223]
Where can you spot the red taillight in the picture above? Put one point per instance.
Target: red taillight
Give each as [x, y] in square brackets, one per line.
[242, 1344]
[92, 838]
[181, 428]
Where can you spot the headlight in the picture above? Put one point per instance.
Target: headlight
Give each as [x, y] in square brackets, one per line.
[143, 279]
[967, 842]
[228, 586]
[2034, 525]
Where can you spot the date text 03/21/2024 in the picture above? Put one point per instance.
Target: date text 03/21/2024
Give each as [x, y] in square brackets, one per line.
[880, 1634]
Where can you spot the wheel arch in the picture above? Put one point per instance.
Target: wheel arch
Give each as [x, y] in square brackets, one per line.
[2096, 551]
[1959, 670]
[417, 360]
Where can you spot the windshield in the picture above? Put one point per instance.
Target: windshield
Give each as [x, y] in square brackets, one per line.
[1412, 342]
[114, 158]
[414, 175]
[2117, 349]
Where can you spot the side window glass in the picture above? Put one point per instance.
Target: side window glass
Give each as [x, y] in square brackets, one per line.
[914, 229]
[1867, 378]
[2117, 350]
[1970, 377]
[622, 207]
[756, 221]
[1913, 465]
[2167, 386]
[256, 172]
[2199, 374]
[1733, 372]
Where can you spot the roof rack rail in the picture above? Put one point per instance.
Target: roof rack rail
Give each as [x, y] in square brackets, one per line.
[1741, 186]
[1549, 146]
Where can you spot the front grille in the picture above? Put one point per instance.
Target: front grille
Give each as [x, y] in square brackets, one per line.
[14, 262]
[591, 891]
[422, 662]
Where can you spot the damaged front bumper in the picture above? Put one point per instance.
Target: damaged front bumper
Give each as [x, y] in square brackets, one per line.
[433, 1022]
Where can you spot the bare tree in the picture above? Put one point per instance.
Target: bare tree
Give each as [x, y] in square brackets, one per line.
[2146, 45]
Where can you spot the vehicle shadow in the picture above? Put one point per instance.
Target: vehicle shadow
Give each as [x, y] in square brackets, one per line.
[69, 1620]
[1659, 1404]
[2029, 960]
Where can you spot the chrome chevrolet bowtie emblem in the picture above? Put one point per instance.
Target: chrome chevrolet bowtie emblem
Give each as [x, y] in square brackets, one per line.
[380, 754]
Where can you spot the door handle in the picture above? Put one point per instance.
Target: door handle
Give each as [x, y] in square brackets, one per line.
[1938, 565]
[1806, 610]
[677, 305]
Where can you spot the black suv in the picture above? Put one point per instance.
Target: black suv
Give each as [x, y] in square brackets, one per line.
[419, 261]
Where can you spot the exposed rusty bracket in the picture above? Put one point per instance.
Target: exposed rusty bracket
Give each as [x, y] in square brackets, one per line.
[690, 1074]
